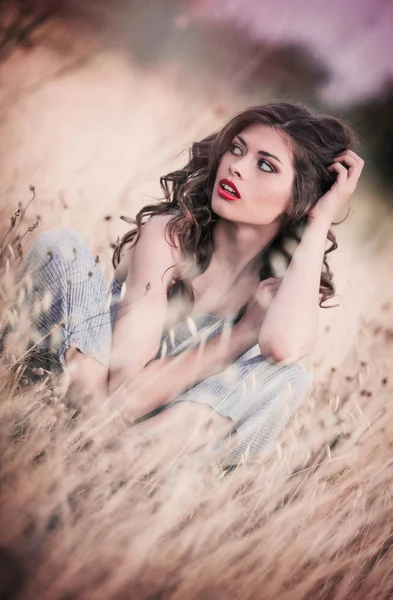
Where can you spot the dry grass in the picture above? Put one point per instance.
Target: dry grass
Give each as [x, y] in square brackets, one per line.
[88, 512]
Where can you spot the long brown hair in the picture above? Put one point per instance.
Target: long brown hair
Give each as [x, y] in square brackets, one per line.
[316, 140]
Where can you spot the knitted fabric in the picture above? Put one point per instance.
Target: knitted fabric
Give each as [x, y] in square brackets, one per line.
[258, 396]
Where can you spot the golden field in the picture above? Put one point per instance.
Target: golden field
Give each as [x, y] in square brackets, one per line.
[87, 513]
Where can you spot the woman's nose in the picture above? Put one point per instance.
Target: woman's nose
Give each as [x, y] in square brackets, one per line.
[234, 170]
[239, 167]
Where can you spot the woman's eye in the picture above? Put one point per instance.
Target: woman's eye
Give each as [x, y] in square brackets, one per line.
[237, 151]
[268, 165]
[236, 147]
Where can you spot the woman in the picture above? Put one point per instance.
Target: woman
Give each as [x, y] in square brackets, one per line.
[199, 290]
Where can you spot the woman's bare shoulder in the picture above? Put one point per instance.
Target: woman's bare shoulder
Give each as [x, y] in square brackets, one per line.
[157, 223]
[153, 244]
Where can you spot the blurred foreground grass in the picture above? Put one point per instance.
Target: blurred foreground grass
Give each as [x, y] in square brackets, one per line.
[90, 513]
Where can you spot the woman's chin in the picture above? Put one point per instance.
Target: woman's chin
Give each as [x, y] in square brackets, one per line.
[233, 210]
[224, 208]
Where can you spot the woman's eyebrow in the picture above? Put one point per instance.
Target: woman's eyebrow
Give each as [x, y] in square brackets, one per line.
[261, 152]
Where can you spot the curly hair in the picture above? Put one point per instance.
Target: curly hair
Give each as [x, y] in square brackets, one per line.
[316, 140]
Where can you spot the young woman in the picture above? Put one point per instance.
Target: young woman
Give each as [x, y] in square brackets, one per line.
[194, 290]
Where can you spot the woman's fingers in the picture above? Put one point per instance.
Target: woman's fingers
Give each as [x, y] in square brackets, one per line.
[339, 168]
[342, 174]
[351, 155]
[351, 175]
[348, 166]
[355, 162]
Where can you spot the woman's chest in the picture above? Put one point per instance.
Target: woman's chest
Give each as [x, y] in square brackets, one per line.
[220, 294]
[215, 293]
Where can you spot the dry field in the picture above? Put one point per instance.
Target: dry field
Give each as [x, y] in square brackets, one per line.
[91, 513]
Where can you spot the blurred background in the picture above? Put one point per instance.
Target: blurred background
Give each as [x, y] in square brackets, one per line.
[99, 99]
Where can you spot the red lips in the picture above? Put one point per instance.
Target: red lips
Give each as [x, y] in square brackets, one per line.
[225, 193]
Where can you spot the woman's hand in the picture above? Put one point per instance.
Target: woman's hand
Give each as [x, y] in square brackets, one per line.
[329, 205]
[256, 310]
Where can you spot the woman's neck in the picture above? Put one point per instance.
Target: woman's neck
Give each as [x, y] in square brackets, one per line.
[237, 246]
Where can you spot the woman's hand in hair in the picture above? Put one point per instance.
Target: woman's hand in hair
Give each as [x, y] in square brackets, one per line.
[256, 310]
[330, 204]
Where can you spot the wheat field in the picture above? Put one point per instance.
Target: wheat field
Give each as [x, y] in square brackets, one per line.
[91, 512]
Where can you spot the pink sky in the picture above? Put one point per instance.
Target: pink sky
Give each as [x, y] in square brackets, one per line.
[354, 38]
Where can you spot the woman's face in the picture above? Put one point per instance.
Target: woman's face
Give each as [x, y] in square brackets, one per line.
[259, 164]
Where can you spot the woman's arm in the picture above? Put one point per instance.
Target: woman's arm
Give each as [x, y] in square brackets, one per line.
[164, 379]
[291, 325]
[141, 314]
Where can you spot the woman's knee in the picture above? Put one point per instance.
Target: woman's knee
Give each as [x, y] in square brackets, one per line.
[62, 240]
[55, 246]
